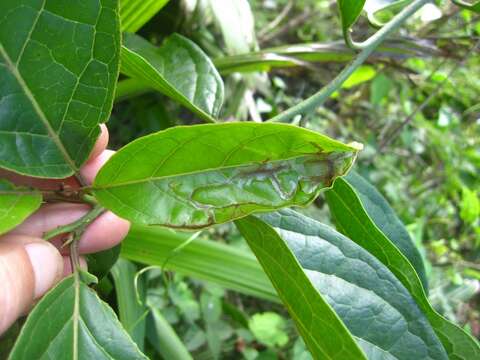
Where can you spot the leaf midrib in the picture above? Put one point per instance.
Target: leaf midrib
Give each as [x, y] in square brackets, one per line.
[152, 178]
[52, 134]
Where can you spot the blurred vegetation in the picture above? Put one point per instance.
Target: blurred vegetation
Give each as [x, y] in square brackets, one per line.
[419, 118]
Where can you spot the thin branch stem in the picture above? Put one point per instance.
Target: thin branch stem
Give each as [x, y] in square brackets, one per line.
[395, 132]
[80, 224]
[310, 104]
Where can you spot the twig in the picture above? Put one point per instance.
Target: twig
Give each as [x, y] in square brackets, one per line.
[262, 33]
[310, 104]
[80, 224]
[395, 132]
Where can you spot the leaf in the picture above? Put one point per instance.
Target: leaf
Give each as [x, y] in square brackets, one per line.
[372, 303]
[131, 312]
[349, 12]
[164, 339]
[269, 329]
[100, 263]
[178, 69]
[236, 22]
[59, 66]
[136, 13]
[71, 322]
[380, 11]
[210, 261]
[196, 176]
[470, 205]
[16, 204]
[471, 5]
[365, 228]
[323, 332]
[379, 212]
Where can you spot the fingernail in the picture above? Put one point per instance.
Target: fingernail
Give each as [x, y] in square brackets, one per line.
[47, 265]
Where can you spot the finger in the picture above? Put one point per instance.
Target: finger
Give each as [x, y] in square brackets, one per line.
[28, 268]
[46, 184]
[105, 232]
[91, 168]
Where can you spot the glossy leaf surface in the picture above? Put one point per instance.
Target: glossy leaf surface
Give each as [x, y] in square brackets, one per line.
[16, 204]
[71, 322]
[372, 303]
[323, 332]
[357, 210]
[197, 176]
[58, 74]
[178, 69]
[136, 13]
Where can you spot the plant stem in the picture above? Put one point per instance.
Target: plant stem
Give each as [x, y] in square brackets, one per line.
[80, 224]
[310, 104]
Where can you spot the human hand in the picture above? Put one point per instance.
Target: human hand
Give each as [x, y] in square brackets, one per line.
[29, 265]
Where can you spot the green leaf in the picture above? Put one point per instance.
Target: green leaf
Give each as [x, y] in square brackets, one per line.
[324, 333]
[131, 312]
[178, 69]
[471, 5]
[136, 13]
[196, 176]
[100, 263]
[269, 329]
[349, 10]
[71, 322]
[470, 205]
[380, 11]
[372, 303]
[59, 66]
[369, 229]
[164, 339]
[16, 204]
[210, 261]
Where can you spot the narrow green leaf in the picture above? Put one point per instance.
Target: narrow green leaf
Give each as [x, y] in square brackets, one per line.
[210, 261]
[196, 176]
[59, 66]
[100, 263]
[324, 333]
[132, 314]
[164, 339]
[358, 213]
[349, 10]
[471, 5]
[16, 204]
[372, 303]
[136, 13]
[178, 69]
[71, 322]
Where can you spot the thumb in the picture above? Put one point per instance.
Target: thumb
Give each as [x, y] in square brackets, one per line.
[28, 268]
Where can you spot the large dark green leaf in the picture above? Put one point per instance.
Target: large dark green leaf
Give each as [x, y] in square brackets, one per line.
[178, 69]
[135, 13]
[58, 69]
[100, 263]
[197, 176]
[324, 333]
[16, 204]
[71, 322]
[363, 215]
[372, 303]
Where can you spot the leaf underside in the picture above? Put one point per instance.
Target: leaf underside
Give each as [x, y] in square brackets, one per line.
[197, 176]
[372, 303]
[378, 231]
[71, 322]
[58, 75]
